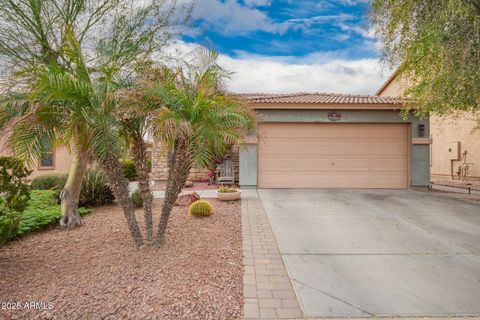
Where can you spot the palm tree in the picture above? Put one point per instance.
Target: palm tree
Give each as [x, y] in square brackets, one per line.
[196, 120]
[75, 109]
[51, 111]
[134, 125]
[80, 43]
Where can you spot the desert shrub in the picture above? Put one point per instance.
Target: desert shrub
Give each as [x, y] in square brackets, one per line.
[95, 190]
[227, 189]
[149, 165]
[200, 208]
[137, 199]
[129, 170]
[49, 182]
[15, 195]
[42, 212]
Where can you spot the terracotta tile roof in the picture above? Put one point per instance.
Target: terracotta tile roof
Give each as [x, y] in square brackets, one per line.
[318, 98]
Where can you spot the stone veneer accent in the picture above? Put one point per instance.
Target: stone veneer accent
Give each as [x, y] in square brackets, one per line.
[160, 166]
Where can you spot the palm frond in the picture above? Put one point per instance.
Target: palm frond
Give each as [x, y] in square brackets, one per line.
[54, 86]
[13, 105]
[105, 139]
[29, 140]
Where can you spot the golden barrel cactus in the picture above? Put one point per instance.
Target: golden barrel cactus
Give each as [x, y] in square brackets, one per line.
[200, 208]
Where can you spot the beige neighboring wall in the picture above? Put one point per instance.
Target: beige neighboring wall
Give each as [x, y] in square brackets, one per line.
[391, 88]
[451, 138]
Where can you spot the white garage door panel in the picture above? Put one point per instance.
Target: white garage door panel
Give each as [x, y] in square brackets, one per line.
[300, 155]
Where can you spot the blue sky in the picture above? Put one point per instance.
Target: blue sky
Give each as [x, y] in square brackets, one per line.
[290, 46]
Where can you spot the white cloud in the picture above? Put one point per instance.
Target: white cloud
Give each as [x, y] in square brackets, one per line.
[352, 2]
[230, 17]
[233, 18]
[364, 32]
[318, 72]
[341, 76]
[258, 3]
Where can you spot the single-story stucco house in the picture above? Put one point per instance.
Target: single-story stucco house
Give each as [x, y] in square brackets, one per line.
[320, 140]
[316, 140]
[455, 149]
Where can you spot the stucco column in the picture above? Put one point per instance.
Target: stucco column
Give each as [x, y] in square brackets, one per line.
[248, 163]
[420, 153]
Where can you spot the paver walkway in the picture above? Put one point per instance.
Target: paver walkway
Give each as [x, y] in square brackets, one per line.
[267, 290]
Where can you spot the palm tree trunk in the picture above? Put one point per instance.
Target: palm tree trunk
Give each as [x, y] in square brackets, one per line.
[71, 192]
[139, 154]
[179, 165]
[119, 185]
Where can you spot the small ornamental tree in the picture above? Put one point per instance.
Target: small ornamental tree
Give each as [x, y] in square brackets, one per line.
[62, 59]
[435, 45]
[15, 195]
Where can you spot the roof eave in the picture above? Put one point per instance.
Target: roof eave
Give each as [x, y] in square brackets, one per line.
[327, 106]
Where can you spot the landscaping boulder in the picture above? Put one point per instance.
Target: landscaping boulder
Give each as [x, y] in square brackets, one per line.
[187, 199]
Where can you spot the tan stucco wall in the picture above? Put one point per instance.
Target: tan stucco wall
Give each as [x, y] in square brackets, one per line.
[393, 89]
[445, 132]
[62, 160]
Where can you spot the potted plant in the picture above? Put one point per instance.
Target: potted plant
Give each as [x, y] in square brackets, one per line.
[226, 193]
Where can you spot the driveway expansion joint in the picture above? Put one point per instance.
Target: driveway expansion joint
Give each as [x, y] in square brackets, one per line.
[336, 298]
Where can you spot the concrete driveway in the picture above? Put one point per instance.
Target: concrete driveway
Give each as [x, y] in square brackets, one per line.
[362, 253]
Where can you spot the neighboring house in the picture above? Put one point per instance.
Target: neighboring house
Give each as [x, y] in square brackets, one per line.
[322, 140]
[455, 150]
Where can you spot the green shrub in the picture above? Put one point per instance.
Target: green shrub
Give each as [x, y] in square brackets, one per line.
[42, 212]
[15, 192]
[137, 199]
[200, 208]
[129, 170]
[95, 190]
[149, 165]
[49, 182]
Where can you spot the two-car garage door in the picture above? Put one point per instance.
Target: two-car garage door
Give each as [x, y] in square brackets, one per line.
[315, 155]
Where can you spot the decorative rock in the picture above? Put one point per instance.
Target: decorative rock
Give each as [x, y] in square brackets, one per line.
[187, 199]
[190, 277]
[188, 184]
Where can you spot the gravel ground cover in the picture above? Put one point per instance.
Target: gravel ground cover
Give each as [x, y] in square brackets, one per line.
[95, 272]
